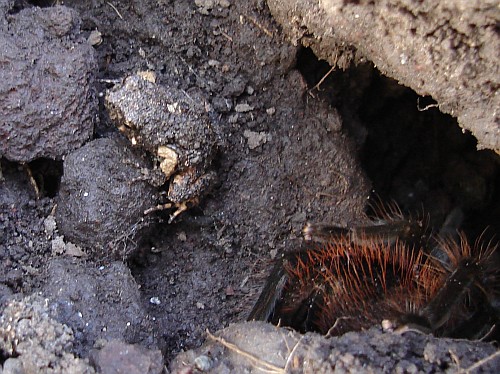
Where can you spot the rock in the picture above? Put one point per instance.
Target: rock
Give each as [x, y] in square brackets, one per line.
[448, 50]
[175, 128]
[47, 101]
[258, 346]
[154, 116]
[97, 302]
[35, 342]
[119, 357]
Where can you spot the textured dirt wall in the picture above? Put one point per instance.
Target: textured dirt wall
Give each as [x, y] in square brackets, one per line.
[448, 50]
[288, 152]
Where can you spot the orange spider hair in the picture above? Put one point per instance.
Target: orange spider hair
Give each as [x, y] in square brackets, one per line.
[344, 286]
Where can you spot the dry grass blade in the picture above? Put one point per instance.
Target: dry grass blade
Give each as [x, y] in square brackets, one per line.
[259, 363]
[115, 9]
[480, 363]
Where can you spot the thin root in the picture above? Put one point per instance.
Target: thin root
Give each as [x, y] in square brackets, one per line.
[261, 27]
[481, 362]
[289, 358]
[316, 87]
[114, 8]
[331, 329]
[32, 181]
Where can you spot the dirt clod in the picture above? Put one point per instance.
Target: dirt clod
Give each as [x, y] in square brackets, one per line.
[97, 302]
[260, 348]
[48, 105]
[447, 50]
[103, 198]
[153, 116]
[35, 342]
[118, 357]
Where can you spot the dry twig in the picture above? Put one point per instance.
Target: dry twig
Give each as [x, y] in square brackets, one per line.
[331, 329]
[316, 87]
[481, 362]
[260, 364]
[427, 107]
[292, 352]
[260, 26]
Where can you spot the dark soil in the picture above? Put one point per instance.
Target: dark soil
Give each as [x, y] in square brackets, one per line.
[285, 153]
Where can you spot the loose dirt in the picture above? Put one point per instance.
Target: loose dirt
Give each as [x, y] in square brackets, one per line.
[290, 147]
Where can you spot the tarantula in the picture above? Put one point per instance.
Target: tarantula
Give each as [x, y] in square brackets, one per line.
[391, 269]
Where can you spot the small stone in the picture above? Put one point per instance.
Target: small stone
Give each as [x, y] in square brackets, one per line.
[49, 225]
[387, 325]
[148, 75]
[256, 139]
[73, 250]
[155, 300]
[204, 3]
[95, 38]
[203, 363]
[182, 236]
[58, 246]
[200, 305]
[347, 359]
[271, 111]
[222, 104]
[233, 118]
[243, 108]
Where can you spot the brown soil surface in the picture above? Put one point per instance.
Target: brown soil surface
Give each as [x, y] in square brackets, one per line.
[284, 151]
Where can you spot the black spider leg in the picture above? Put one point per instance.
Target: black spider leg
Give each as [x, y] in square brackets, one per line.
[284, 301]
[273, 293]
[412, 232]
[458, 283]
[304, 317]
[481, 324]
[484, 320]
[450, 232]
[265, 306]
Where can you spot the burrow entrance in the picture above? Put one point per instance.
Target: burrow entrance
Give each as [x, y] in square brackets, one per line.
[412, 153]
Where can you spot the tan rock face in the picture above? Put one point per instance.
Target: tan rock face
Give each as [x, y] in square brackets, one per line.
[447, 50]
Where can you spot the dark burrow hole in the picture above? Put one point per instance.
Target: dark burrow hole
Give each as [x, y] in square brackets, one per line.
[412, 153]
[47, 175]
[418, 158]
[43, 175]
[3, 357]
[42, 3]
[23, 4]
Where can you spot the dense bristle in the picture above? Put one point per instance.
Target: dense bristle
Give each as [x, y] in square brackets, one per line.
[385, 211]
[363, 284]
[390, 269]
